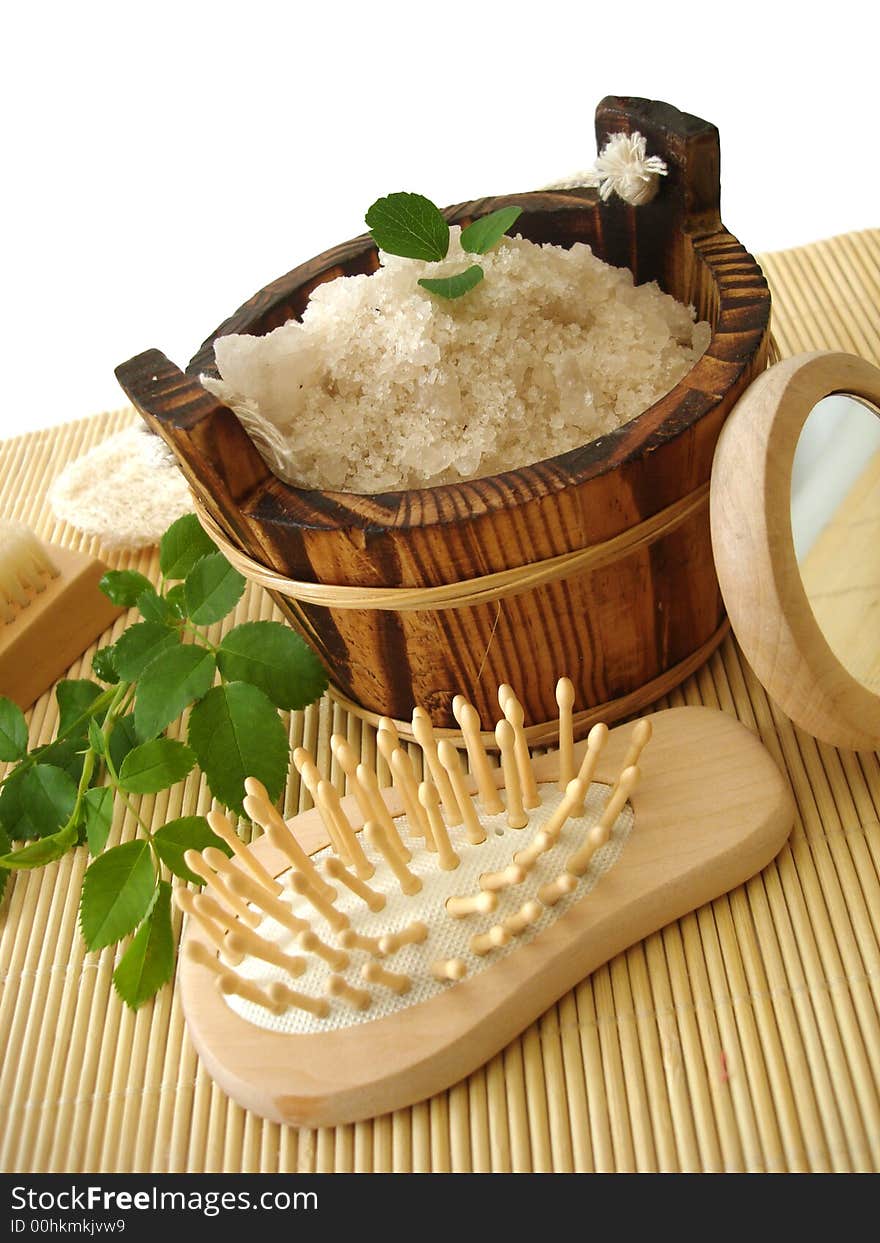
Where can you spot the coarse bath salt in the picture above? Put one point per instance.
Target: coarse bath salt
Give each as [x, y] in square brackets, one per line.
[385, 386]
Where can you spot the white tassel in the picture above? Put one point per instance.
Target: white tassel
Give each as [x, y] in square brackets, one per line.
[621, 168]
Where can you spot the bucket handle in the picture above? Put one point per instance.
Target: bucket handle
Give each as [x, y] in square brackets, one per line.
[215, 453]
[689, 146]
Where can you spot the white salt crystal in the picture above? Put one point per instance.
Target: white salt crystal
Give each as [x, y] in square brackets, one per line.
[385, 386]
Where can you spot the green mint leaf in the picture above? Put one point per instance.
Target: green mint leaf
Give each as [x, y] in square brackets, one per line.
[39, 853]
[485, 233]
[117, 891]
[98, 805]
[66, 754]
[409, 225]
[139, 645]
[75, 696]
[104, 664]
[12, 817]
[172, 681]
[148, 962]
[13, 731]
[155, 766]
[122, 740]
[48, 796]
[182, 545]
[176, 600]
[96, 737]
[453, 286]
[236, 732]
[273, 657]
[213, 588]
[123, 587]
[178, 836]
[155, 608]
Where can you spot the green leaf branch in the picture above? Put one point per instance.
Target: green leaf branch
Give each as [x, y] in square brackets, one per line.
[113, 745]
[412, 226]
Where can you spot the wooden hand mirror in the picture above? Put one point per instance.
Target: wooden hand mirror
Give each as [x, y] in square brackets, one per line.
[795, 507]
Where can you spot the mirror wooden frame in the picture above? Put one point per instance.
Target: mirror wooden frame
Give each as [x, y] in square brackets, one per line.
[753, 546]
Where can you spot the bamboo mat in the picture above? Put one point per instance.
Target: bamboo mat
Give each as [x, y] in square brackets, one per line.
[744, 1037]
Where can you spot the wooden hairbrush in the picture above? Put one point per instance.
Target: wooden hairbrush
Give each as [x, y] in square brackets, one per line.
[330, 974]
[50, 611]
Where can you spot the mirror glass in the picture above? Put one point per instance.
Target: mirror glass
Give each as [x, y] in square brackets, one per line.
[835, 519]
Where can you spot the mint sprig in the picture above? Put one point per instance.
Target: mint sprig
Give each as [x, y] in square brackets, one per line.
[454, 286]
[409, 225]
[413, 227]
[112, 744]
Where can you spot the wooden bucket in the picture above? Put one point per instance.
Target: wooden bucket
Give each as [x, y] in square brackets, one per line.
[595, 564]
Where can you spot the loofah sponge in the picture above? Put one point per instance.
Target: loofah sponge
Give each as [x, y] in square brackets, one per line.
[126, 491]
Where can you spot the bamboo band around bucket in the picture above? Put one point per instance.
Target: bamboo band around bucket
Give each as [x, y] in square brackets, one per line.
[467, 592]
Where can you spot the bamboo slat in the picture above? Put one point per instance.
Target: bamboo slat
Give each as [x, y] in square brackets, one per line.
[744, 1037]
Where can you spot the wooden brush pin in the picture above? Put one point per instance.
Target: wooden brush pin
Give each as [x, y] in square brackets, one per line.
[198, 953]
[51, 610]
[231, 984]
[565, 702]
[557, 889]
[244, 942]
[449, 969]
[596, 740]
[529, 913]
[539, 845]
[220, 825]
[360, 998]
[374, 974]
[337, 870]
[387, 743]
[515, 714]
[429, 799]
[639, 739]
[273, 907]
[185, 902]
[225, 868]
[405, 781]
[313, 944]
[311, 777]
[264, 814]
[578, 863]
[284, 998]
[351, 940]
[480, 767]
[485, 942]
[348, 762]
[506, 739]
[381, 815]
[483, 903]
[247, 889]
[377, 837]
[302, 886]
[449, 758]
[221, 886]
[203, 904]
[350, 850]
[423, 732]
[414, 934]
[513, 874]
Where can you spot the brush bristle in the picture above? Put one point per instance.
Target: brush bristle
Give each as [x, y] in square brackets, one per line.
[25, 568]
[501, 898]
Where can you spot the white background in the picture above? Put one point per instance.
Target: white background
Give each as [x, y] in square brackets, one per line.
[162, 161]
